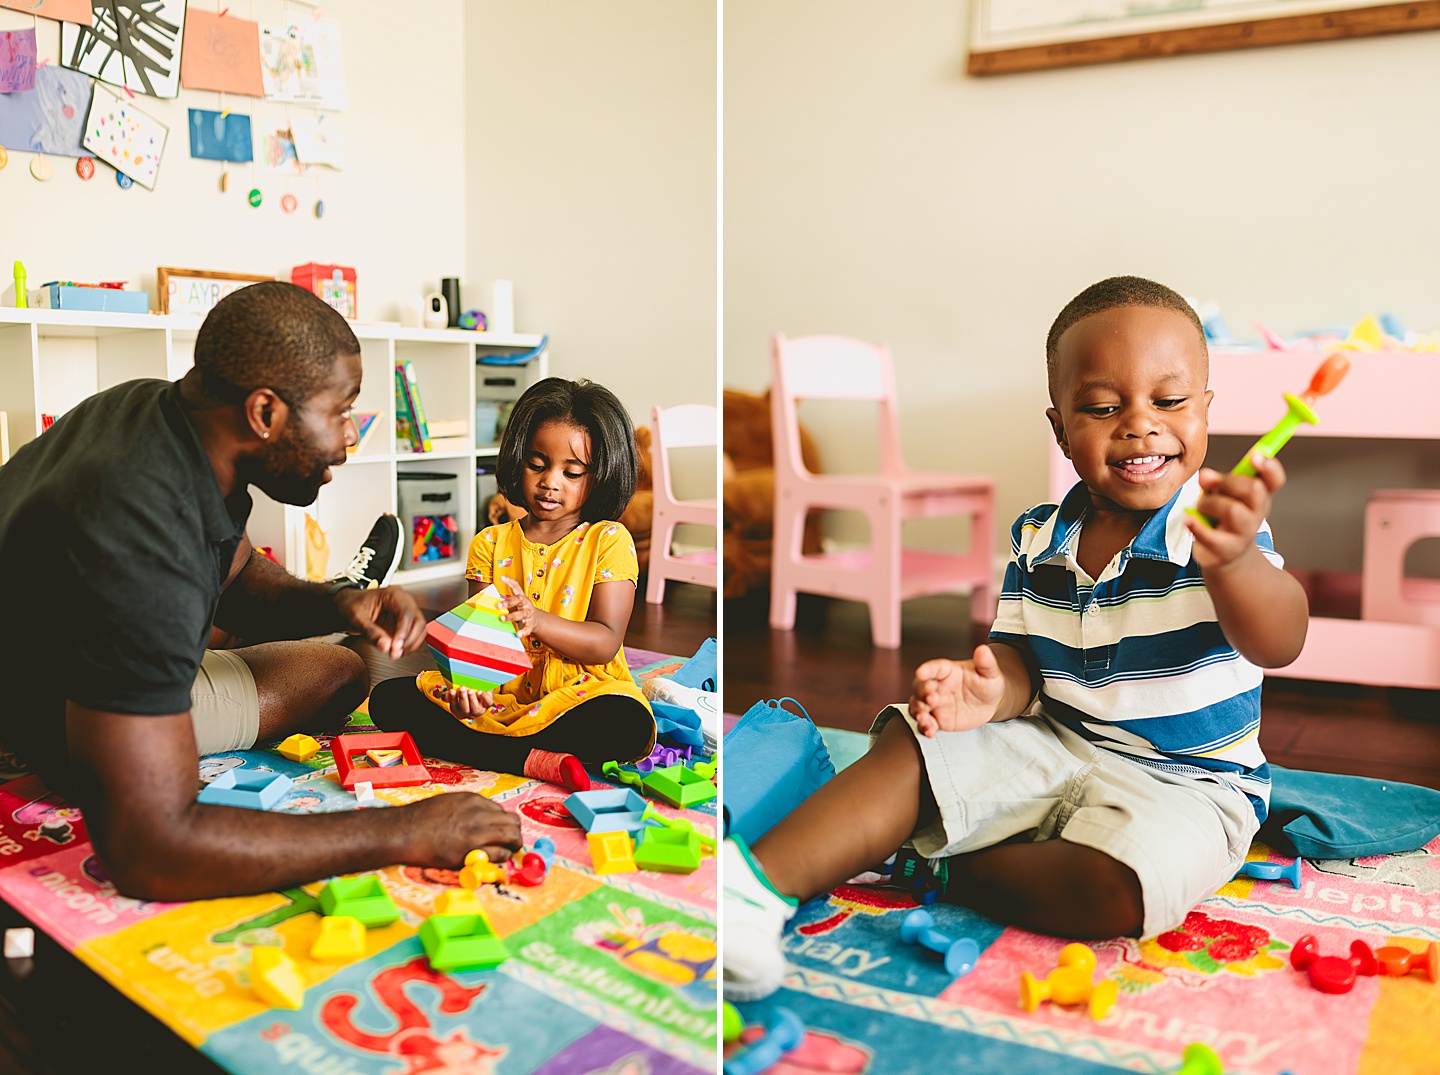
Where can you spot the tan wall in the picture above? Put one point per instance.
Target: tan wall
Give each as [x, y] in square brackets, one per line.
[873, 189]
[591, 166]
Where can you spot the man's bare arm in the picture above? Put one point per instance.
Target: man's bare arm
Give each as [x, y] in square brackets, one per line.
[137, 779]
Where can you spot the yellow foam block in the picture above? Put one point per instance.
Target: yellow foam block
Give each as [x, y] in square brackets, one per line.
[299, 748]
[611, 852]
[457, 901]
[341, 938]
[275, 978]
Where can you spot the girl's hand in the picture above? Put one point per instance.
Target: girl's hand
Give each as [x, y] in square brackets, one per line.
[463, 701]
[1238, 504]
[518, 609]
[955, 696]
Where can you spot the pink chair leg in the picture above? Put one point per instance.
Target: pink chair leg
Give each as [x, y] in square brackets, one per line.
[660, 535]
[885, 561]
[885, 622]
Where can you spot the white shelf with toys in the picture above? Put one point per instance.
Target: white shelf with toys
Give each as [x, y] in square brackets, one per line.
[50, 360]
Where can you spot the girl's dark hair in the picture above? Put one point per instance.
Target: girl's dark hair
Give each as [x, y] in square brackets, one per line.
[614, 467]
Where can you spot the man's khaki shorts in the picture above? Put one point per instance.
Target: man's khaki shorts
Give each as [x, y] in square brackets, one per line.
[224, 704]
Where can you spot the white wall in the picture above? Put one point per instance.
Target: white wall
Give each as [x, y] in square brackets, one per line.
[873, 189]
[592, 179]
[396, 214]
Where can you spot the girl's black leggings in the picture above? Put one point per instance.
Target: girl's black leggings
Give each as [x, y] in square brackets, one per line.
[612, 727]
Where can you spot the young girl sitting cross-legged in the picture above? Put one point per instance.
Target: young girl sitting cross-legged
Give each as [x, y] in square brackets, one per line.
[567, 575]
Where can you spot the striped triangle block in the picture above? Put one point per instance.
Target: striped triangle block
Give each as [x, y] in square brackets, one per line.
[473, 647]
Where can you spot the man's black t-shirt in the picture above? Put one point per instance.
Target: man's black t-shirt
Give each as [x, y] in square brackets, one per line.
[114, 546]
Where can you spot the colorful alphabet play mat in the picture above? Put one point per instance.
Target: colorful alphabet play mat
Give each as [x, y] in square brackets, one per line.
[875, 1005]
[612, 974]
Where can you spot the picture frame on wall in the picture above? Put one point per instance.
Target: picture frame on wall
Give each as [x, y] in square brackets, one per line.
[1010, 36]
[196, 291]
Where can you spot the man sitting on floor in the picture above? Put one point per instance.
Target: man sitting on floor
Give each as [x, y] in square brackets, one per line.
[122, 542]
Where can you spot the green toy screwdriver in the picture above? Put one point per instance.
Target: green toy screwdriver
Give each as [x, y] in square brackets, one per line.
[1331, 372]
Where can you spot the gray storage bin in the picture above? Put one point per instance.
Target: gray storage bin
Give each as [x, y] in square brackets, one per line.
[430, 512]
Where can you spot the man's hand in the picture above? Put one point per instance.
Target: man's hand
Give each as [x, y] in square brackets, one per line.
[448, 827]
[388, 617]
[1238, 504]
[955, 696]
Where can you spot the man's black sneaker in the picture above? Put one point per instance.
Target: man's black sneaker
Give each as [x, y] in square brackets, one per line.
[377, 558]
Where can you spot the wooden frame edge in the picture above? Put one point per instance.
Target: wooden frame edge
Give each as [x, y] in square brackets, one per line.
[1255, 33]
[164, 272]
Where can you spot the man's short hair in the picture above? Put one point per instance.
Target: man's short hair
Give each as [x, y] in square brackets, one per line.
[614, 462]
[1108, 294]
[270, 335]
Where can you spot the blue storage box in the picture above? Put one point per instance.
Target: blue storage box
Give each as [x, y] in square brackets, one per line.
[108, 300]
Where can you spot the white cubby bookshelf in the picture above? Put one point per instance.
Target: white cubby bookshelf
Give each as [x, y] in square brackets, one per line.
[50, 360]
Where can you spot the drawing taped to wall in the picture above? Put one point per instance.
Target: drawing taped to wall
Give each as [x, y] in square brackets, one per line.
[129, 140]
[220, 136]
[318, 141]
[17, 61]
[302, 64]
[130, 43]
[51, 117]
[221, 54]
[280, 155]
[59, 10]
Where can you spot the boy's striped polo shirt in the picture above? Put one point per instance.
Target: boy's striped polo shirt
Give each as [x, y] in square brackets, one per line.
[1135, 660]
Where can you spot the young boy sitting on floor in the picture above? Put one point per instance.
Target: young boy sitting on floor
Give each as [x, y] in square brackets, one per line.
[1095, 771]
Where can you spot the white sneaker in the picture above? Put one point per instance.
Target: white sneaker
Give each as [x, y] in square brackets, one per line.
[754, 917]
[667, 690]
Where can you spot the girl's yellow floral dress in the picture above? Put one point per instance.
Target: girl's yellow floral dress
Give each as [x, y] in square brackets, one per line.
[559, 579]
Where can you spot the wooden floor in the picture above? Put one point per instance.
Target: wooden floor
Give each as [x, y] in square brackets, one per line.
[828, 664]
[57, 1017]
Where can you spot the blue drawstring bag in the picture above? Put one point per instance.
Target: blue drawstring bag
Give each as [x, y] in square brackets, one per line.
[699, 671]
[775, 761]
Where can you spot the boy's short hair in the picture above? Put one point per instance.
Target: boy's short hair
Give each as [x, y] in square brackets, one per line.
[1108, 294]
[614, 466]
[270, 335]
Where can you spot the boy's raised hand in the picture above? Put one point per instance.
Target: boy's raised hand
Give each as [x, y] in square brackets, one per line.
[1238, 503]
[955, 696]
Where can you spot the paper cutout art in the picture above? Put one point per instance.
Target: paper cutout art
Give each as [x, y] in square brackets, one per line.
[17, 60]
[280, 153]
[51, 117]
[60, 10]
[130, 43]
[124, 137]
[302, 63]
[218, 136]
[318, 141]
[221, 54]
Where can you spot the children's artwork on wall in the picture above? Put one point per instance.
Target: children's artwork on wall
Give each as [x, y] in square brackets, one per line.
[17, 60]
[318, 141]
[303, 64]
[280, 155]
[220, 136]
[124, 137]
[130, 43]
[222, 54]
[60, 10]
[51, 117]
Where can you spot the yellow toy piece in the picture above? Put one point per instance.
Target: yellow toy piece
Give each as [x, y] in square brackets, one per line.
[299, 748]
[1367, 335]
[275, 978]
[1070, 983]
[479, 870]
[341, 938]
[611, 852]
[458, 901]
[383, 758]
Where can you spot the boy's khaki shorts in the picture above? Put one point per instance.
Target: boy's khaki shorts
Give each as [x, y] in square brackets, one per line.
[224, 704]
[1184, 838]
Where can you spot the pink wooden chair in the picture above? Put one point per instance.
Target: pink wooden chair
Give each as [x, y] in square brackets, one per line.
[690, 425]
[833, 367]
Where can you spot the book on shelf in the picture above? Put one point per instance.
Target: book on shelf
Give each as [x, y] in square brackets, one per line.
[409, 411]
[407, 387]
[364, 426]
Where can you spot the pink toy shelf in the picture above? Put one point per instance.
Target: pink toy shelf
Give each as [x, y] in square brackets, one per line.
[1388, 395]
